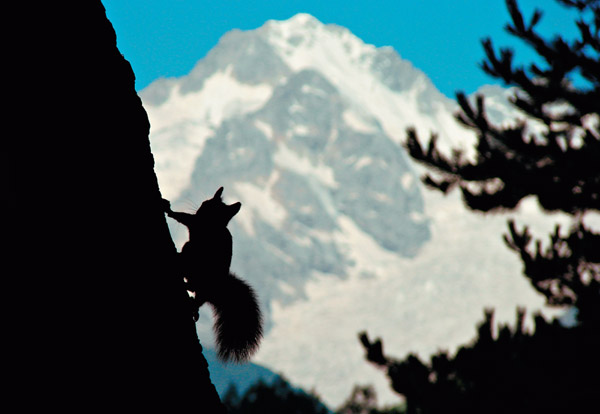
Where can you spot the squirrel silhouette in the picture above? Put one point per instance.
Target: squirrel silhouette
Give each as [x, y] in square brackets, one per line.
[204, 262]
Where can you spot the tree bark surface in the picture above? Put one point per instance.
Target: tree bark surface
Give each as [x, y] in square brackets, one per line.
[100, 315]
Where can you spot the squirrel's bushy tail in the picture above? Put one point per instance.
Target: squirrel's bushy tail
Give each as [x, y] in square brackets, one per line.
[238, 320]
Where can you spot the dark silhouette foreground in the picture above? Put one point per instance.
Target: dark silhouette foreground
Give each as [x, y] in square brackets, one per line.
[98, 318]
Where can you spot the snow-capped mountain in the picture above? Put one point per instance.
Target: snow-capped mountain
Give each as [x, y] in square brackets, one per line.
[303, 123]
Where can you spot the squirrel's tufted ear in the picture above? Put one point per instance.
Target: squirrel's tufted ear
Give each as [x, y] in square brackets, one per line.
[233, 210]
[218, 193]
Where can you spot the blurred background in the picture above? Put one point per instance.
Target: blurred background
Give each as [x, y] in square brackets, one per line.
[300, 111]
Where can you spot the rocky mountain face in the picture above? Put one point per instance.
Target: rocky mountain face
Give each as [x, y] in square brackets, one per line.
[303, 123]
[299, 152]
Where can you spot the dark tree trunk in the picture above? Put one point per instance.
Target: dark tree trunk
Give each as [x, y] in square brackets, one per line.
[100, 316]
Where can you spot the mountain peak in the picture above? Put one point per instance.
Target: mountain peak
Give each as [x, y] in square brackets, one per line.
[304, 19]
[307, 32]
[300, 22]
[302, 122]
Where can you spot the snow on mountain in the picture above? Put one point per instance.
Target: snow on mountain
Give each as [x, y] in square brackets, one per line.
[302, 122]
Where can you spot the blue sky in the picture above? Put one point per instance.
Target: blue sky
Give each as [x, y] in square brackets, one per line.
[165, 38]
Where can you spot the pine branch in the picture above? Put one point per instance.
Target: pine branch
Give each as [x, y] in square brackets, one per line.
[563, 58]
[374, 350]
[557, 164]
[567, 272]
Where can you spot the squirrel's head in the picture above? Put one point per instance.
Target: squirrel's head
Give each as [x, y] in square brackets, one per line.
[215, 212]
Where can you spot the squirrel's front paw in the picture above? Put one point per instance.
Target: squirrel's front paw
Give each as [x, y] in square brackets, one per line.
[166, 205]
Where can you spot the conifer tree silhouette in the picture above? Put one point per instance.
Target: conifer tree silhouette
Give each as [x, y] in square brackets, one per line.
[275, 397]
[557, 161]
[559, 165]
